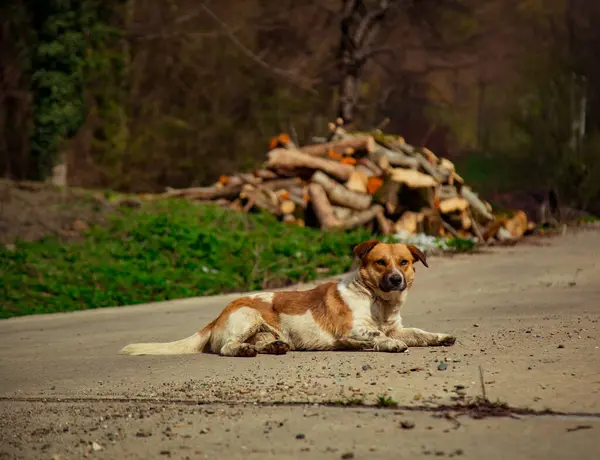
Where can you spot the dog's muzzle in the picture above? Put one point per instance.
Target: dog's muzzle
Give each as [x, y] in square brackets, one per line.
[394, 281]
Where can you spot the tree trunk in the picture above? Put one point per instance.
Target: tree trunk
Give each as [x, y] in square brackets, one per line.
[348, 91]
[359, 28]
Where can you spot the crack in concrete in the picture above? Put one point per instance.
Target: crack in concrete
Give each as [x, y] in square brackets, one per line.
[477, 409]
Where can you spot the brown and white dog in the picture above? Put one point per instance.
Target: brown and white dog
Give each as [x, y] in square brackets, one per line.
[361, 312]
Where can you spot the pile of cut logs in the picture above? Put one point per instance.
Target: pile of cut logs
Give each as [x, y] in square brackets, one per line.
[353, 179]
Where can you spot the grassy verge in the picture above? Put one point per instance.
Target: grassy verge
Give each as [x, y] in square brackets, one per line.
[166, 250]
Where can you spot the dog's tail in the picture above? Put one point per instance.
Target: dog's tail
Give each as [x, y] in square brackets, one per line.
[192, 344]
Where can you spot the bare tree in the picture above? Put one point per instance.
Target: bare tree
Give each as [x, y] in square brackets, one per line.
[360, 26]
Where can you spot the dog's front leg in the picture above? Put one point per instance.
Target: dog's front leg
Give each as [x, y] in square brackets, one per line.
[414, 337]
[367, 337]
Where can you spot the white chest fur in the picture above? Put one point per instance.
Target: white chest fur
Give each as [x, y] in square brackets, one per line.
[369, 310]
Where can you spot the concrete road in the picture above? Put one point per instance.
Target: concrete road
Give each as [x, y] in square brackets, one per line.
[527, 316]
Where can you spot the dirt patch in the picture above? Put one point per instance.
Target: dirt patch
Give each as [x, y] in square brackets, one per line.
[31, 211]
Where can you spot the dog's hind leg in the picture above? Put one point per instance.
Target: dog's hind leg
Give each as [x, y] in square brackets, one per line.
[240, 326]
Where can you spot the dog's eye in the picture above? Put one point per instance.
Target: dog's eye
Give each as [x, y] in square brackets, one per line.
[381, 262]
[404, 262]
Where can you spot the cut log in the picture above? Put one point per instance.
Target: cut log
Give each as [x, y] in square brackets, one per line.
[247, 178]
[383, 163]
[289, 159]
[412, 178]
[402, 146]
[340, 195]
[357, 182]
[432, 222]
[287, 207]
[387, 195]
[430, 156]
[385, 226]
[322, 207]
[478, 206]
[447, 169]
[265, 174]
[361, 168]
[453, 204]
[394, 158]
[517, 224]
[459, 220]
[289, 219]
[277, 184]
[356, 143]
[297, 195]
[205, 193]
[429, 168]
[262, 199]
[410, 222]
[361, 218]
[446, 191]
[457, 178]
[342, 213]
[447, 165]
[370, 165]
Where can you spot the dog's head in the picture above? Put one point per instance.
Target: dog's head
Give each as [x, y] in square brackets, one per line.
[388, 268]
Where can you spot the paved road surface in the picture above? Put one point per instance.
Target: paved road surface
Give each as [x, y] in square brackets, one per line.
[528, 315]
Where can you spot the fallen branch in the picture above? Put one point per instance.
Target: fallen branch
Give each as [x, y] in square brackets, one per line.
[412, 178]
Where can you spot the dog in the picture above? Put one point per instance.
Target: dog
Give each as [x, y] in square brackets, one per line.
[360, 312]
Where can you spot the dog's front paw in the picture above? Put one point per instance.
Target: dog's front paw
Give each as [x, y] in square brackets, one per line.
[246, 351]
[446, 340]
[390, 346]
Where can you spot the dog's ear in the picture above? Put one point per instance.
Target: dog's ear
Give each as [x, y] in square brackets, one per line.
[362, 249]
[417, 254]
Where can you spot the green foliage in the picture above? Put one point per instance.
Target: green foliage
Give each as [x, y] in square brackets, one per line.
[541, 144]
[386, 401]
[71, 45]
[163, 251]
[460, 245]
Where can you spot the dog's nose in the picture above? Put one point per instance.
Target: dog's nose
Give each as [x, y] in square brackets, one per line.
[396, 279]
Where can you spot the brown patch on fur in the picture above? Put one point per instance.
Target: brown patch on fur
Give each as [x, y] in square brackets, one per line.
[362, 249]
[256, 303]
[328, 308]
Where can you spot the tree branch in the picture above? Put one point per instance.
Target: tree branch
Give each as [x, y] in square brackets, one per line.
[369, 21]
[300, 82]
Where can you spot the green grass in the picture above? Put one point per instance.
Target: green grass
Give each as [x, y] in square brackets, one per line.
[386, 401]
[588, 220]
[166, 250]
[460, 245]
